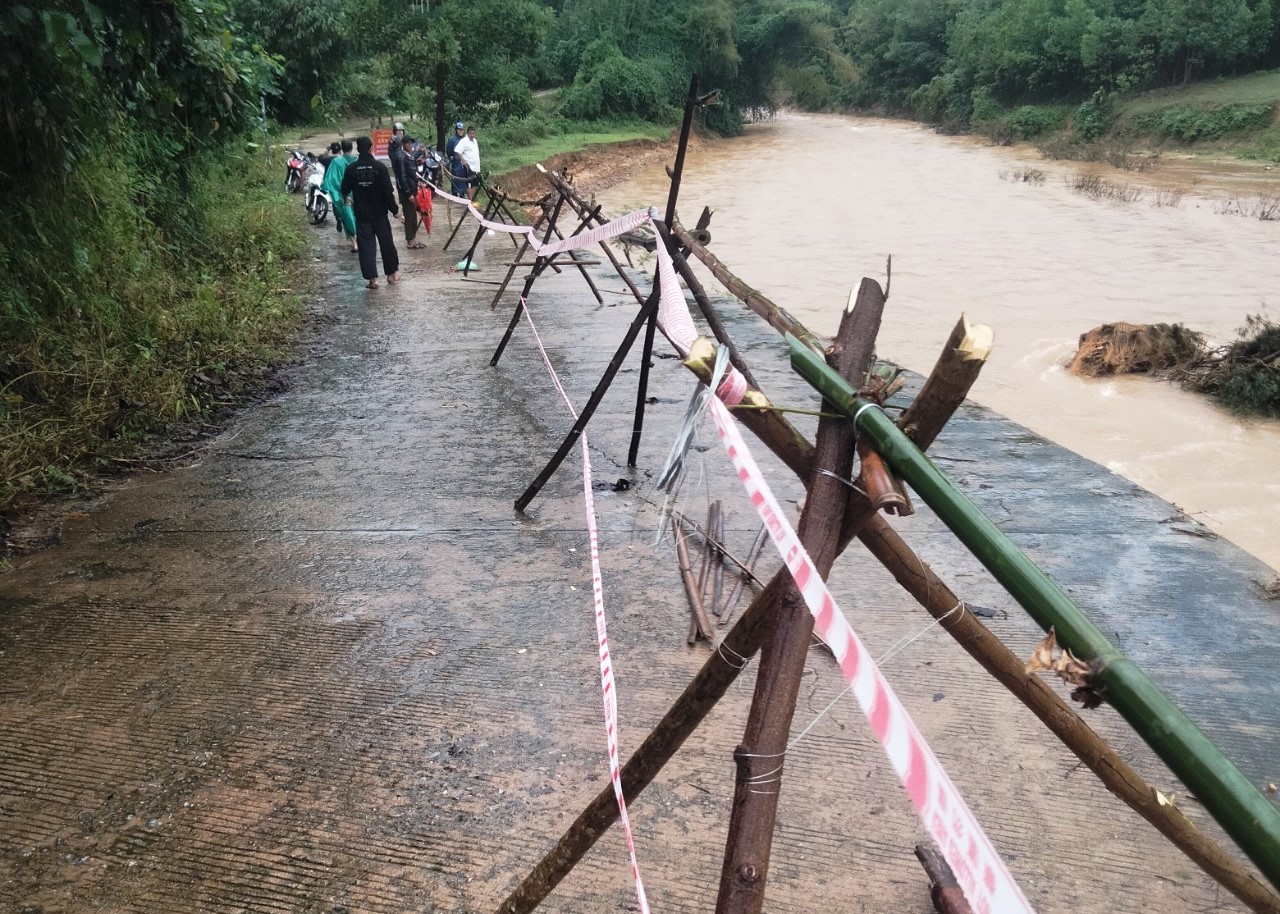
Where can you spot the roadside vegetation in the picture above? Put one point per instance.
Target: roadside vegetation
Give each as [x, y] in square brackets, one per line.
[147, 265]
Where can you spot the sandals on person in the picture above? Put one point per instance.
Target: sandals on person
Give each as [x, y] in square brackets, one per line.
[393, 278]
[416, 246]
[373, 283]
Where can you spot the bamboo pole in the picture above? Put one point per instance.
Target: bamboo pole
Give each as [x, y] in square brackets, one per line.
[1238, 806]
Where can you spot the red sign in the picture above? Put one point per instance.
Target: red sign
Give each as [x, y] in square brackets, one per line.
[381, 140]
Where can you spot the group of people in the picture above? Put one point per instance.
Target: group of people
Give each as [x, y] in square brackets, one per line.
[363, 197]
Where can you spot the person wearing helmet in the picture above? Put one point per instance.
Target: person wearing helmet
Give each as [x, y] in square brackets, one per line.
[456, 168]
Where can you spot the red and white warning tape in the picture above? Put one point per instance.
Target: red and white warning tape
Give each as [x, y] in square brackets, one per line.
[630, 222]
[608, 689]
[987, 883]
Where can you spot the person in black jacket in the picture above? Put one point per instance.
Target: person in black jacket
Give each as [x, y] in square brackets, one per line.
[406, 177]
[369, 185]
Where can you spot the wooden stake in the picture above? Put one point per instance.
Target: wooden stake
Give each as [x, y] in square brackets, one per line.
[948, 897]
[778, 318]
[744, 571]
[752, 554]
[717, 569]
[701, 626]
[762, 755]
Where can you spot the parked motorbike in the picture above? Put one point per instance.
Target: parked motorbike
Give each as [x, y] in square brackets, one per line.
[429, 165]
[318, 202]
[293, 172]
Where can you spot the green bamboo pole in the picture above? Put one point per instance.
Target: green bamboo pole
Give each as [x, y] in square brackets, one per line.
[1240, 808]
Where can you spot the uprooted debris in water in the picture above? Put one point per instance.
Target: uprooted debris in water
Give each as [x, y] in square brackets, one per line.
[1243, 375]
[1122, 348]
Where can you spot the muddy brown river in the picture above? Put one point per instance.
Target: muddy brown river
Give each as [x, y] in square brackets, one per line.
[807, 205]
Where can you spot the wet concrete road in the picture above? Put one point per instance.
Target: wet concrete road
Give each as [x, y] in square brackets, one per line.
[327, 668]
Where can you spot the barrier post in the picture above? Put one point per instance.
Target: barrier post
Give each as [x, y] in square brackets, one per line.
[646, 354]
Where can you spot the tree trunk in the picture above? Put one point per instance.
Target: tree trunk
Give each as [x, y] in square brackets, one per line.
[441, 72]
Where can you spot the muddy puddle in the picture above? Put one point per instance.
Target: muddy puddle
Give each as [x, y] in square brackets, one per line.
[807, 205]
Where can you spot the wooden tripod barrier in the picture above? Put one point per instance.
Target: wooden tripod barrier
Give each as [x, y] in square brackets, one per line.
[697, 700]
[581, 207]
[528, 284]
[762, 756]
[924, 420]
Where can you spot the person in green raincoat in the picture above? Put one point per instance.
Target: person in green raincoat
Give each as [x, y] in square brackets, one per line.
[342, 213]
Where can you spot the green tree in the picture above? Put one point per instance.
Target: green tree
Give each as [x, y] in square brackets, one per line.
[898, 46]
[1199, 37]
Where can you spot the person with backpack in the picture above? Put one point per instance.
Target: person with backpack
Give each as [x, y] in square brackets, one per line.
[369, 185]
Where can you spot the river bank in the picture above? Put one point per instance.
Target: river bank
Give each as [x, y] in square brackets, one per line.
[327, 665]
[1040, 262]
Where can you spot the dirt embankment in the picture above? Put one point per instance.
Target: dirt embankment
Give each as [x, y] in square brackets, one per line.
[598, 167]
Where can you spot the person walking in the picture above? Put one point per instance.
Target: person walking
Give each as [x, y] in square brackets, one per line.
[406, 175]
[369, 185]
[333, 175]
[468, 153]
[459, 186]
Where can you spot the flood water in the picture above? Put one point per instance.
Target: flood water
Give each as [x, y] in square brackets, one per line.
[807, 205]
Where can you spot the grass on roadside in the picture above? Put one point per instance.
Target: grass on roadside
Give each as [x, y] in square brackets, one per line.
[1254, 89]
[508, 147]
[124, 329]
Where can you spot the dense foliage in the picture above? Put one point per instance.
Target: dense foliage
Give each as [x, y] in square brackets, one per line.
[139, 248]
[950, 61]
[945, 59]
